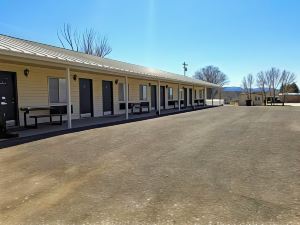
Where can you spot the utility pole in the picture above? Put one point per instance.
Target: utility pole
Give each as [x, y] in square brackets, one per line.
[184, 68]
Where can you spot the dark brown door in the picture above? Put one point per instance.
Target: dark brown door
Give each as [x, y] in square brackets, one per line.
[86, 96]
[8, 97]
[190, 96]
[107, 91]
[162, 96]
[153, 97]
[185, 97]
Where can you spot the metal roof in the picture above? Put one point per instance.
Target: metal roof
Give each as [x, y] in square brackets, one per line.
[24, 48]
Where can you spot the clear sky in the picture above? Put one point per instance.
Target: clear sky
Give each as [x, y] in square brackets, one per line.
[238, 36]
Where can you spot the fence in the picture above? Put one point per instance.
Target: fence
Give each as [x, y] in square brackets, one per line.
[215, 102]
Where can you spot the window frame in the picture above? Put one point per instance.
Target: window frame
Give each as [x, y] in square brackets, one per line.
[181, 94]
[49, 96]
[170, 96]
[124, 92]
[201, 94]
[141, 91]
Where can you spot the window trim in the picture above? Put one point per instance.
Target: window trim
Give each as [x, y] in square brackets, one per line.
[181, 93]
[124, 92]
[170, 97]
[143, 98]
[56, 103]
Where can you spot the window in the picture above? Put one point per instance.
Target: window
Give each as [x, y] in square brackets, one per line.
[57, 90]
[195, 96]
[181, 94]
[201, 94]
[170, 93]
[143, 92]
[121, 92]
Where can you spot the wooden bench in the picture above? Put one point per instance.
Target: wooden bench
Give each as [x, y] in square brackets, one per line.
[199, 102]
[140, 106]
[172, 103]
[44, 112]
[36, 117]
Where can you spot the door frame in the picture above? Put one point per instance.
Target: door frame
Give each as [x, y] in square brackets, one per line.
[112, 97]
[15, 84]
[91, 96]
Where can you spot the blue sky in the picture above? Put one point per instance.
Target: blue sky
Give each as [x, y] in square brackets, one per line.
[238, 36]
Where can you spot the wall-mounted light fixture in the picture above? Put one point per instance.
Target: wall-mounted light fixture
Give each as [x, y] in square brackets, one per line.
[149, 84]
[116, 81]
[75, 77]
[167, 86]
[26, 72]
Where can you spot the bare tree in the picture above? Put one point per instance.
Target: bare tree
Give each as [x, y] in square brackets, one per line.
[261, 82]
[213, 75]
[247, 84]
[287, 78]
[89, 41]
[69, 38]
[274, 78]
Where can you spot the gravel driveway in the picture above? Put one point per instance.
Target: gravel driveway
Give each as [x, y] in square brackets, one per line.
[221, 165]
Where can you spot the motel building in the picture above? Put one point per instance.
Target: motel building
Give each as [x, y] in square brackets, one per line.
[42, 84]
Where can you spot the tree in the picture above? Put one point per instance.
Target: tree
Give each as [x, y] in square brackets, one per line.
[262, 83]
[213, 75]
[273, 79]
[287, 78]
[247, 84]
[292, 88]
[89, 41]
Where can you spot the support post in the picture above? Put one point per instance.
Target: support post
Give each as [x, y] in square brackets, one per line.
[192, 103]
[158, 89]
[212, 96]
[179, 100]
[126, 97]
[69, 106]
[205, 95]
[220, 96]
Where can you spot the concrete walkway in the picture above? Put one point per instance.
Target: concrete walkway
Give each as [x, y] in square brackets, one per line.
[232, 165]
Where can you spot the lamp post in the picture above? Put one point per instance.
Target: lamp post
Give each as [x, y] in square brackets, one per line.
[184, 68]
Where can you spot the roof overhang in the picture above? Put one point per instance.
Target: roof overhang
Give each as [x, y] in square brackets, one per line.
[20, 57]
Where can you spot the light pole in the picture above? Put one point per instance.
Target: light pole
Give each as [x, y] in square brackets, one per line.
[184, 68]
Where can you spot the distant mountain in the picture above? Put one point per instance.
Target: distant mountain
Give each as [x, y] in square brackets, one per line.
[239, 89]
[233, 89]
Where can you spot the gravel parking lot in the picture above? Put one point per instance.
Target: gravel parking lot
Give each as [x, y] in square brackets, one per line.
[232, 165]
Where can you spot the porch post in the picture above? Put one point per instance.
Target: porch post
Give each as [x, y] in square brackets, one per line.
[193, 92]
[69, 106]
[126, 97]
[179, 100]
[219, 96]
[212, 97]
[158, 89]
[205, 95]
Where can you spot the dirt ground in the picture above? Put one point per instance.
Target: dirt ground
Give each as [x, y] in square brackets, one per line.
[233, 165]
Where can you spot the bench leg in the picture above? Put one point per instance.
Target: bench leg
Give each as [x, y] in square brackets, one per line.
[25, 119]
[36, 124]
